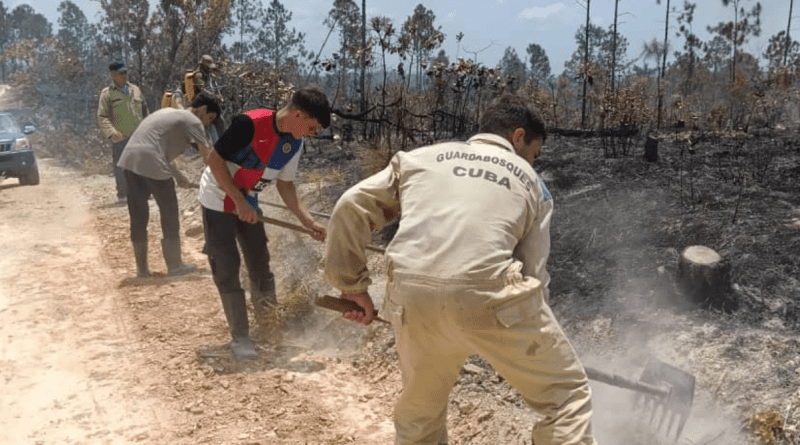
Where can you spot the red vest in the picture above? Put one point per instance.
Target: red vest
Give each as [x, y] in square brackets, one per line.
[261, 161]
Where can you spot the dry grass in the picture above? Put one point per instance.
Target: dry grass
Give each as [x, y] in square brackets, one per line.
[768, 426]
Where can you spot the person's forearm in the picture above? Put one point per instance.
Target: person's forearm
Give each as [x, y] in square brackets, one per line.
[178, 175]
[288, 193]
[204, 152]
[106, 127]
[203, 147]
[363, 208]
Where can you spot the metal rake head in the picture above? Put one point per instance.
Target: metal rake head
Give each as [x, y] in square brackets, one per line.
[674, 408]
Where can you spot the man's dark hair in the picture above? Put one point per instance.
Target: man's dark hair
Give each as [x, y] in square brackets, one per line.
[313, 102]
[509, 112]
[212, 106]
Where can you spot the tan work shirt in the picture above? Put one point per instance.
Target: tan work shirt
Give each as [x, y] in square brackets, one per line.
[469, 211]
[119, 110]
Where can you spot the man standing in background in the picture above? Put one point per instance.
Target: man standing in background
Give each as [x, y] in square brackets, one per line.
[120, 110]
[204, 75]
[204, 80]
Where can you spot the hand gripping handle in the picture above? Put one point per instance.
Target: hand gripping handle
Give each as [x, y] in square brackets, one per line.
[342, 305]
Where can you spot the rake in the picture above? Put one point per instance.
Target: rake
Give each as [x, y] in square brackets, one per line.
[664, 390]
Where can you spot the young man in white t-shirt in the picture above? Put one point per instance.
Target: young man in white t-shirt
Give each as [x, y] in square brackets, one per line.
[259, 146]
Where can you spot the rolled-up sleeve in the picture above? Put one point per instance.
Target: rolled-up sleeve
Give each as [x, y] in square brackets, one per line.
[533, 249]
[361, 210]
[104, 114]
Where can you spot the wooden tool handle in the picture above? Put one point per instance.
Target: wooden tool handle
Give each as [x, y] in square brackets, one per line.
[299, 228]
[342, 305]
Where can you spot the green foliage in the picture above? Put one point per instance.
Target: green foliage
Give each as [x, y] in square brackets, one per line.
[25, 23]
[279, 44]
[245, 14]
[74, 30]
[346, 16]
[540, 64]
[601, 49]
[419, 94]
[421, 37]
[738, 31]
[512, 66]
[777, 50]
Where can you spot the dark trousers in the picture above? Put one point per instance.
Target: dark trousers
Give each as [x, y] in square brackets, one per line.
[140, 188]
[119, 175]
[222, 231]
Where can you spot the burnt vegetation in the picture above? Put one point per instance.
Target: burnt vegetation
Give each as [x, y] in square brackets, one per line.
[722, 127]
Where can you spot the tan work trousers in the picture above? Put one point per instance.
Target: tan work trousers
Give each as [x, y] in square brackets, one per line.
[440, 323]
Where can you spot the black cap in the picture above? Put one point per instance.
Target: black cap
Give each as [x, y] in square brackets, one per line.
[118, 67]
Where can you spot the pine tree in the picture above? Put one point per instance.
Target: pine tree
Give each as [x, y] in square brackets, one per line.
[276, 41]
[539, 62]
[245, 14]
[423, 37]
[511, 65]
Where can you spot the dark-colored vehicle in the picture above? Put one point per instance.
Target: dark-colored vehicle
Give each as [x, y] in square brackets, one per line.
[16, 152]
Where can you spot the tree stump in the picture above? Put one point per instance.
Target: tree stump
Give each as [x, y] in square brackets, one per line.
[651, 149]
[705, 278]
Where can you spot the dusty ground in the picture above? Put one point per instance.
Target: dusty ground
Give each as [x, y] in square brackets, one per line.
[91, 355]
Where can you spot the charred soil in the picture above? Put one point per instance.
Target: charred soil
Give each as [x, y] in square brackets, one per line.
[150, 359]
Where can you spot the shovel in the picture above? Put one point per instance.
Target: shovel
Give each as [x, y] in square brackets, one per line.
[665, 391]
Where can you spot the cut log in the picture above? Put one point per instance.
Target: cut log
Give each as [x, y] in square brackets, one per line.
[651, 149]
[704, 278]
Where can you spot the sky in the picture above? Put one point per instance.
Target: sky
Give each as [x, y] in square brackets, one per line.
[490, 26]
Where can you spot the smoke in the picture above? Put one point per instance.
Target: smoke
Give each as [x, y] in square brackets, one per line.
[627, 312]
[619, 418]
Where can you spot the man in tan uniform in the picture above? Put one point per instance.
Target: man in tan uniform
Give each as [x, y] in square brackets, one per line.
[120, 109]
[204, 77]
[467, 275]
[204, 80]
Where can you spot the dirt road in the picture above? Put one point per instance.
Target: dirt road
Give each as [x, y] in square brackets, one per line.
[90, 356]
[68, 363]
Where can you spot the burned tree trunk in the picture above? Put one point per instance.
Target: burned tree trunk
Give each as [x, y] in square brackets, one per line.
[704, 278]
[651, 149]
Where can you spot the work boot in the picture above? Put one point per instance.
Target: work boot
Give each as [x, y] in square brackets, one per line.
[235, 307]
[171, 248]
[262, 295]
[140, 253]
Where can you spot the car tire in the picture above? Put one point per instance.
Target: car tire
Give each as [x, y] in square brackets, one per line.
[30, 176]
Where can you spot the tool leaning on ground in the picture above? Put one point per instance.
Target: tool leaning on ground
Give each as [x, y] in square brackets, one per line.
[668, 392]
